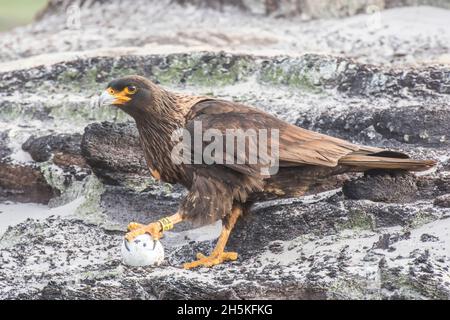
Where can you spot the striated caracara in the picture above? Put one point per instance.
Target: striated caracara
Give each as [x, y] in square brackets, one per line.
[226, 181]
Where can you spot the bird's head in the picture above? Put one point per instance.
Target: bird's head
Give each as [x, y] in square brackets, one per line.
[132, 94]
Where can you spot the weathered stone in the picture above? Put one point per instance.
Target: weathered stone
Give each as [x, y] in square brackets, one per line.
[114, 152]
[431, 187]
[422, 125]
[443, 201]
[396, 186]
[62, 159]
[66, 145]
[302, 267]
[123, 205]
[24, 183]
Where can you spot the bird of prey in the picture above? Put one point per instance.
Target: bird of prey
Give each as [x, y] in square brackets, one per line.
[224, 190]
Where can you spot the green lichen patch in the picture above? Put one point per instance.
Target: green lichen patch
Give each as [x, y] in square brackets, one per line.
[204, 69]
[307, 72]
[358, 219]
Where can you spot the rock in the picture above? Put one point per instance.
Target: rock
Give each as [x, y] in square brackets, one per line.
[308, 9]
[400, 3]
[24, 183]
[344, 264]
[123, 205]
[65, 147]
[443, 201]
[63, 160]
[428, 238]
[415, 125]
[446, 165]
[431, 187]
[376, 186]
[114, 153]
[4, 149]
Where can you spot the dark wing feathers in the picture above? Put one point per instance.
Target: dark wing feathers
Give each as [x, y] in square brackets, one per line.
[296, 145]
[313, 154]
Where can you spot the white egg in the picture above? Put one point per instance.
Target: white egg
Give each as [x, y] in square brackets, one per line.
[142, 251]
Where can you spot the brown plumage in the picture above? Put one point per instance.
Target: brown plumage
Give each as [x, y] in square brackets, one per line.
[221, 191]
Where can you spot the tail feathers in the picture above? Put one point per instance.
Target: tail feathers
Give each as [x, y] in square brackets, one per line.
[366, 162]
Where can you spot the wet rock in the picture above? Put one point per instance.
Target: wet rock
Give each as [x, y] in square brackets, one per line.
[114, 153]
[24, 183]
[396, 186]
[65, 147]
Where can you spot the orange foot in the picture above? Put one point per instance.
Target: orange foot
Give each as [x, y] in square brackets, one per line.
[137, 229]
[214, 259]
[134, 225]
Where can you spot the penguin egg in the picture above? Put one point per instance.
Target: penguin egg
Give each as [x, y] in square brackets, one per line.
[142, 251]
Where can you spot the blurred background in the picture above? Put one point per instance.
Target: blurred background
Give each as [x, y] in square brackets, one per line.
[19, 12]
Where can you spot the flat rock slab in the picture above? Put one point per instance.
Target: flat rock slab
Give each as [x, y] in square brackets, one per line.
[68, 259]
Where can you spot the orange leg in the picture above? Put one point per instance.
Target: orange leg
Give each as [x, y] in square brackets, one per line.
[218, 255]
[155, 229]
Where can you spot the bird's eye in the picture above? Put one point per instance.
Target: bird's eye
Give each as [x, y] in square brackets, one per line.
[130, 90]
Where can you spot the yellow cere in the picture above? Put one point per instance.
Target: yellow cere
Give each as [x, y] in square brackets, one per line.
[121, 97]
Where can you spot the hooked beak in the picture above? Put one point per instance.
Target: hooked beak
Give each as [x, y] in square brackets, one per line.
[111, 97]
[106, 99]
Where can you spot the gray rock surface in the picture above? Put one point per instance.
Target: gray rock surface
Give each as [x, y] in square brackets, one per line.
[383, 187]
[307, 9]
[24, 183]
[114, 153]
[42, 148]
[407, 35]
[382, 237]
[4, 149]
